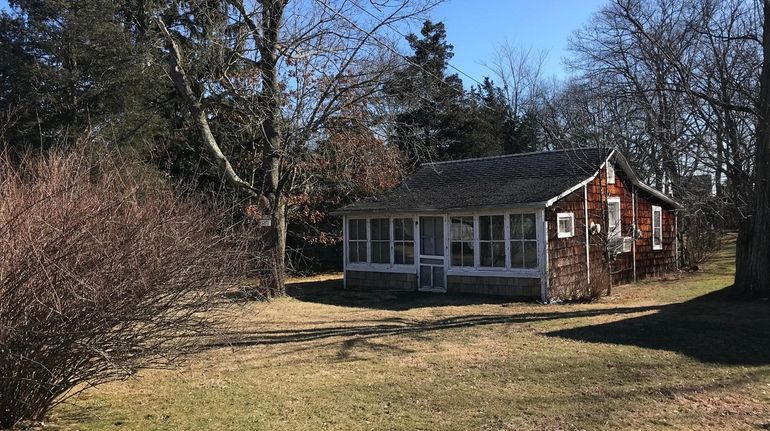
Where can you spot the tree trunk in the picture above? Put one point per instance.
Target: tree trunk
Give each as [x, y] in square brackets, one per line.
[752, 276]
[272, 15]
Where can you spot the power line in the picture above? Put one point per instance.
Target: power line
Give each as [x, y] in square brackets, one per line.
[395, 29]
[387, 46]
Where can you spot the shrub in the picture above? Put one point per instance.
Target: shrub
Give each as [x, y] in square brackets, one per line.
[101, 275]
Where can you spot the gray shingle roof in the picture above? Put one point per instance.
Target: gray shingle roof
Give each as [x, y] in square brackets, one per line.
[490, 182]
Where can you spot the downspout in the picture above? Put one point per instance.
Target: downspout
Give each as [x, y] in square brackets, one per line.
[635, 227]
[344, 252]
[588, 251]
[676, 236]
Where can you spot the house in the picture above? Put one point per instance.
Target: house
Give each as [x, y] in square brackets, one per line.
[538, 225]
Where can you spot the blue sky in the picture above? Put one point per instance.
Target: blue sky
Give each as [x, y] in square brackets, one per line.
[477, 27]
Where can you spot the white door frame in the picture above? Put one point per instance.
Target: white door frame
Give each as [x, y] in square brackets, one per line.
[419, 256]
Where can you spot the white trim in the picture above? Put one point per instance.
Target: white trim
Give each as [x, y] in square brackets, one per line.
[381, 267]
[484, 272]
[553, 200]
[344, 252]
[676, 239]
[613, 229]
[588, 243]
[635, 227]
[623, 163]
[660, 210]
[543, 265]
[571, 217]
[610, 168]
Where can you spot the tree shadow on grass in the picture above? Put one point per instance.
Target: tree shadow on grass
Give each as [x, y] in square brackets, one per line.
[331, 292]
[713, 328]
[365, 329]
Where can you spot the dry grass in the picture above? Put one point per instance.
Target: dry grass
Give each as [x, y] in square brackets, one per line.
[658, 355]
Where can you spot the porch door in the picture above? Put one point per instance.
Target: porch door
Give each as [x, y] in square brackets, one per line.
[431, 259]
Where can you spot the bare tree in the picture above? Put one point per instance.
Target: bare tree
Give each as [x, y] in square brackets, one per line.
[286, 69]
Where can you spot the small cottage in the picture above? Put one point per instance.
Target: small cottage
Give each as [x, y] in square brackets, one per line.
[538, 225]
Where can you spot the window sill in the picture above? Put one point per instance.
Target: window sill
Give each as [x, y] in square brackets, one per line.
[495, 272]
[381, 267]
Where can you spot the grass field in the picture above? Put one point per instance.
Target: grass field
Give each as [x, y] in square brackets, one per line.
[666, 354]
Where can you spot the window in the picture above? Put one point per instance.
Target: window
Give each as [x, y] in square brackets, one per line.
[403, 241]
[492, 241]
[657, 229]
[357, 240]
[523, 241]
[462, 241]
[614, 228]
[610, 174]
[380, 229]
[566, 225]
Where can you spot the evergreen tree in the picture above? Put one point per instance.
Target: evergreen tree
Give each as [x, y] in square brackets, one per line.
[434, 117]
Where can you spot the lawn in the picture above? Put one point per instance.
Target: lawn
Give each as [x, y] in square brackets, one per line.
[665, 354]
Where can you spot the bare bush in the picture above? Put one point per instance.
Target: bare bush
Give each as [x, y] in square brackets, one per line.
[101, 275]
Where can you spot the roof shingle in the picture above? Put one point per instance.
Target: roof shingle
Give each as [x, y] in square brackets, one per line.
[490, 182]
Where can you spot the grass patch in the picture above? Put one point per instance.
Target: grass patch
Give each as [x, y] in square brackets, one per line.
[666, 354]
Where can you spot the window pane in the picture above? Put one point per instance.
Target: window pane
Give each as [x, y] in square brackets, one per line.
[362, 229]
[353, 229]
[398, 228]
[352, 252]
[456, 228]
[468, 254]
[614, 227]
[486, 254]
[529, 229]
[380, 252]
[517, 254]
[467, 229]
[362, 253]
[516, 226]
[498, 227]
[530, 254]
[457, 253]
[409, 253]
[380, 229]
[398, 253]
[485, 228]
[408, 229]
[498, 254]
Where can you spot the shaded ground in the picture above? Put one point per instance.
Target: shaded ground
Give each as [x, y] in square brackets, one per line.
[658, 355]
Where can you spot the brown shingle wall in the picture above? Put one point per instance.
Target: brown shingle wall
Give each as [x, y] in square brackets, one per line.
[370, 280]
[567, 256]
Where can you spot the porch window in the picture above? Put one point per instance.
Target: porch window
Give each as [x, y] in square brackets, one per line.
[492, 241]
[657, 230]
[380, 228]
[403, 241]
[357, 240]
[523, 241]
[462, 241]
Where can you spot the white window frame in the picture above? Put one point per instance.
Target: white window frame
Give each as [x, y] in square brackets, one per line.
[656, 208]
[615, 232]
[610, 173]
[356, 241]
[510, 240]
[559, 218]
[479, 241]
[389, 241]
[474, 240]
[404, 242]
